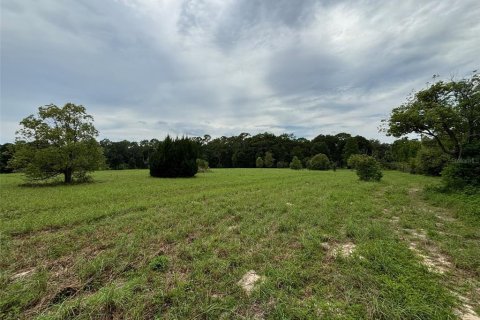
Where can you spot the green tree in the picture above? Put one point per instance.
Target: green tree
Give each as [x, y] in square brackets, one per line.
[368, 169]
[448, 112]
[174, 158]
[350, 148]
[57, 141]
[269, 160]
[259, 162]
[296, 164]
[319, 162]
[5, 156]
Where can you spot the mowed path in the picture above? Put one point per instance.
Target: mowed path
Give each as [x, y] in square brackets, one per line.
[239, 243]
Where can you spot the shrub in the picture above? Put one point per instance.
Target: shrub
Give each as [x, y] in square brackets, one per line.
[319, 162]
[430, 161]
[174, 158]
[296, 164]
[259, 162]
[202, 165]
[367, 167]
[354, 160]
[459, 175]
[269, 160]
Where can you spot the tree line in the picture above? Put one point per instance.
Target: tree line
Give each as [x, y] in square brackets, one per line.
[275, 151]
[62, 141]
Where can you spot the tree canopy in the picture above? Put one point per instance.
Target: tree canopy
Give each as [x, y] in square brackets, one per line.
[448, 112]
[57, 141]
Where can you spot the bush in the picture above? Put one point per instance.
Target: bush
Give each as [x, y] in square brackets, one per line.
[259, 162]
[296, 164]
[268, 161]
[354, 160]
[174, 158]
[430, 161]
[319, 162]
[202, 165]
[368, 169]
[459, 175]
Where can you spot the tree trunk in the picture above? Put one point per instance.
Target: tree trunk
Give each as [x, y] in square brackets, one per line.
[68, 175]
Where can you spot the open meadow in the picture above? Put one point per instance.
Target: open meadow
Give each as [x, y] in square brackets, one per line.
[239, 244]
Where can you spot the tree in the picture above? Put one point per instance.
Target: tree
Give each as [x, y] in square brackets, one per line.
[319, 162]
[5, 156]
[350, 148]
[268, 160]
[259, 162]
[368, 169]
[448, 112]
[296, 164]
[174, 158]
[57, 141]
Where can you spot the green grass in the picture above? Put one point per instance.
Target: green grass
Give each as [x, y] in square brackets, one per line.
[131, 246]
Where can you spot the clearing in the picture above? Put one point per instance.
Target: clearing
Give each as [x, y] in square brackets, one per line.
[239, 244]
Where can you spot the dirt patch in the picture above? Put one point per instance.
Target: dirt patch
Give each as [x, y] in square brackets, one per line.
[395, 219]
[444, 218]
[248, 281]
[344, 250]
[466, 312]
[433, 260]
[22, 274]
[418, 234]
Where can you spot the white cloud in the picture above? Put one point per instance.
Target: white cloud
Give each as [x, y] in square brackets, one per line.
[145, 68]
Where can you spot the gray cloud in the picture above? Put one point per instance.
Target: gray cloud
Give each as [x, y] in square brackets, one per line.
[146, 68]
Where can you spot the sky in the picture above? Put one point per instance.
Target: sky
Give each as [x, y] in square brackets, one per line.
[145, 68]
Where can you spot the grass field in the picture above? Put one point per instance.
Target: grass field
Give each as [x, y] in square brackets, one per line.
[323, 245]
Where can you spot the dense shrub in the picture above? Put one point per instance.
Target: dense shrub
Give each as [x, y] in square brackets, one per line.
[174, 158]
[319, 162]
[368, 169]
[268, 161]
[259, 162]
[354, 160]
[296, 164]
[459, 175]
[202, 165]
[430, 161]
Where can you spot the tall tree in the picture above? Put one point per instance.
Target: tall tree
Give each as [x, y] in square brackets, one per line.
[57, 141]
[448, 112]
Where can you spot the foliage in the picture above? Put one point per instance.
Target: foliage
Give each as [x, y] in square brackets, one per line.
[6, 153]
[448, 112]
[282, 164]
[268, 161]
[259, 162]
[350, 148]
[368, 169]
[174, 158]
[57, 141]
[128, 155]
[202, 165]
[296, 164]
[159, 263]
[354, 160]
[430, 161]
[319, 162]
[459, 175]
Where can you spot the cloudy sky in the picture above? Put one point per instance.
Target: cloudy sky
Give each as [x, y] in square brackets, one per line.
[144, 68]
